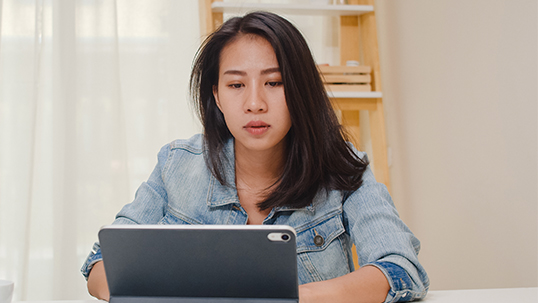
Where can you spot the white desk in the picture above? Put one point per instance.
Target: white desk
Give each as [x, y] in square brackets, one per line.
[501, 295]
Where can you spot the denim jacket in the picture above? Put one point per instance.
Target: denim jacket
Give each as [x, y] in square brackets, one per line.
[182, 190]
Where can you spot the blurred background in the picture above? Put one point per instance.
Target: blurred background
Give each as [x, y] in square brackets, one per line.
[91, 89]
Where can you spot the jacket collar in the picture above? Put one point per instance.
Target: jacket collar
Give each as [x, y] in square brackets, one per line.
[220, 195]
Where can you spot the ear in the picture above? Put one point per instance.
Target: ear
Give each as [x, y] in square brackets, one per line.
[216, 96]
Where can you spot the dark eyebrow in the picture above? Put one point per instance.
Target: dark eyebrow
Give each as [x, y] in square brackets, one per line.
[270, 70]
[235, 72]
[242, 73]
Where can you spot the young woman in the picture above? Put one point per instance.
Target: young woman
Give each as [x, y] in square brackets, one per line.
[272, 152]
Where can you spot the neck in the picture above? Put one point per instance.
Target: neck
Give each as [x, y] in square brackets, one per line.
[258, 170]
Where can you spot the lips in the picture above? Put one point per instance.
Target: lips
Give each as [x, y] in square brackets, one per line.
[256, 127]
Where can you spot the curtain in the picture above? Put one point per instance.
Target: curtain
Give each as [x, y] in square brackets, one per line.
[89, 92]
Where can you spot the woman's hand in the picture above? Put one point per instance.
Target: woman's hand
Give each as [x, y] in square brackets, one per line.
[365, 285]
[97, 284]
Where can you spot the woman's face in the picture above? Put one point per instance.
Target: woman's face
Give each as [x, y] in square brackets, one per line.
[250, 95]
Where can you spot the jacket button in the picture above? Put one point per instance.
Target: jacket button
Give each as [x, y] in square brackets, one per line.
[318, 240]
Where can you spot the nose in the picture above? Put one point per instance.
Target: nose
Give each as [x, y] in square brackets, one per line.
[255, 100]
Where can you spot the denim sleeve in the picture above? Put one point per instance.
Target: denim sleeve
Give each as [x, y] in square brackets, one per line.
[94, 257]
[384, 241]
[148, 206]
[401, 285]
[151, 198]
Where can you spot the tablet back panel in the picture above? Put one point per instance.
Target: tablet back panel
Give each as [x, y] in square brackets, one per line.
[167, 263]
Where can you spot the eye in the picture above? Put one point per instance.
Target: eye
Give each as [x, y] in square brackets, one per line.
[274, 83]
[235, 85]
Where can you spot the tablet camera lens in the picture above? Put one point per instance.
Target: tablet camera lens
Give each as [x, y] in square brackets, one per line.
[279, 237]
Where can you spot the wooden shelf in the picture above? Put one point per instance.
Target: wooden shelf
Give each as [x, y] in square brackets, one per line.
[293, 9]
[342, 95]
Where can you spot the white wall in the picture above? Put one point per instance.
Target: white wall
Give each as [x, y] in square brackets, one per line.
[460, 87]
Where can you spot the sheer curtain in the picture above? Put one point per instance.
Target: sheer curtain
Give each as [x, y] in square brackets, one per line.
[89, 92]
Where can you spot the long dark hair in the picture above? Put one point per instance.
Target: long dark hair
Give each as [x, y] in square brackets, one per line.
[318, 156]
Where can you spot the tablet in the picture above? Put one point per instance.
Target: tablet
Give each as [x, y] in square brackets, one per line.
[200, 263]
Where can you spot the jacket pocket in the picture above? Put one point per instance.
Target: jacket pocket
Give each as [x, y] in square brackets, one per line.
[170, 219]
[322, 251]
